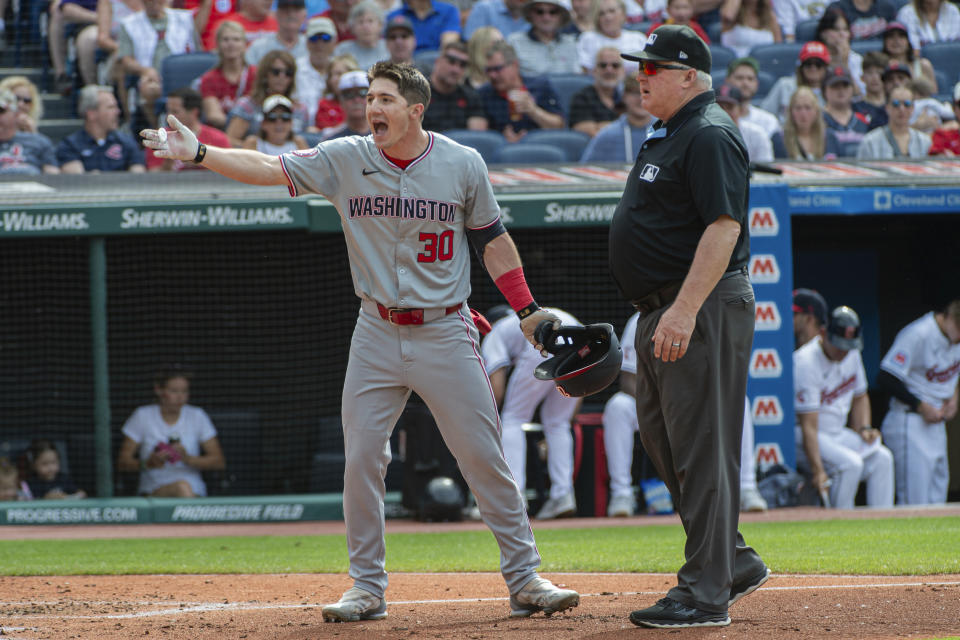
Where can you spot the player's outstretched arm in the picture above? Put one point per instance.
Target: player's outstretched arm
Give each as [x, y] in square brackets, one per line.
[251, 167]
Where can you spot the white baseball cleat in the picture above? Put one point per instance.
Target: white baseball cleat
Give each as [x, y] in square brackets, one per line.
[355, 605]
[565, 505]
[621, 507]
[751, 500]
[541, 595]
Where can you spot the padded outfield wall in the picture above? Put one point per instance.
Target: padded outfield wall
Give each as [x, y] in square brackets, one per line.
[108, 277]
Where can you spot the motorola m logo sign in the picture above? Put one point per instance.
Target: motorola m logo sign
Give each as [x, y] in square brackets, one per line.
[765, 363]
[882, 200]
[767, 411]
[764, 269]
[767, 316]
[768, 454]
[763, 222]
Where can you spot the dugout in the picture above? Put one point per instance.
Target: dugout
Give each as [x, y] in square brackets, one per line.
[106, 279]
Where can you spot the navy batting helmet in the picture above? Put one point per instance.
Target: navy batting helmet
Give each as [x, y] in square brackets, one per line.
[843, 329]
[442, 500]
[585, 359]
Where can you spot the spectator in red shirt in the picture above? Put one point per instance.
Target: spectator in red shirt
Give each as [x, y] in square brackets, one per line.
[231, 79]
[946, 139]
[681, 12]
[184, 104]
[339, 12]
[207, 15]
[255, 17]
[329, 111]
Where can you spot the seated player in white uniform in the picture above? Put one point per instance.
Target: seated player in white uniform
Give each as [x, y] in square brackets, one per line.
[518, 394]
[830, 386]
[620, 424]
[920, 372]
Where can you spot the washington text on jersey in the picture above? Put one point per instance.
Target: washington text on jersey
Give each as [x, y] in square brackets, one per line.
[401, 207]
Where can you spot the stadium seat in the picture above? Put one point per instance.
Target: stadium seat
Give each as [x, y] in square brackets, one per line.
[721, 56]
[870, 44]
[571, 142]
[806, 30]
[567, 84]
[778, 59]
[424, 61]
[178, 71]
[945, 57]
[488, 143]
[530, 153]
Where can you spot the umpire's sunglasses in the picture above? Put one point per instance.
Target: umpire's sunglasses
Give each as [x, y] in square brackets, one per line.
[650, 68]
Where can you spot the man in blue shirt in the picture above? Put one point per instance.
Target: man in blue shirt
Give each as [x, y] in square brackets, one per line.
[506, 15]
[515, 104]
[99, 146]
[435, 23]
[620, 140]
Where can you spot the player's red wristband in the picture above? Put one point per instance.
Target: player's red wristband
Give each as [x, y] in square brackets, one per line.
[514, 288]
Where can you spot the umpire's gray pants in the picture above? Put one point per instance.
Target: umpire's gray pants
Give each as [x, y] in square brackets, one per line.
[690, 414]
[441, 361]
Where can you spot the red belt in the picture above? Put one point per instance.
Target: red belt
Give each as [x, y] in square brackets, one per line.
[408, 316]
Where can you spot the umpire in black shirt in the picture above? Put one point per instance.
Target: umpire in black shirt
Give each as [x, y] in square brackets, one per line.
[679, 248]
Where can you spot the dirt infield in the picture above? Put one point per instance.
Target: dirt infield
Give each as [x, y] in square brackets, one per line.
[454, 606]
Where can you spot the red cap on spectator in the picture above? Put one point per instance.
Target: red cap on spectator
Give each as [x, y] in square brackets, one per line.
[814, 49]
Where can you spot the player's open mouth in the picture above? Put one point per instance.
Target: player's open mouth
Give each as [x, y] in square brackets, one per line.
[379, 128]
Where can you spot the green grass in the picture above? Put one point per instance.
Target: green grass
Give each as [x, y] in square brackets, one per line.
[917, 546]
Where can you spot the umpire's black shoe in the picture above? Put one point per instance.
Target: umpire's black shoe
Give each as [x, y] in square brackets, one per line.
[670, 614]
[745, 588]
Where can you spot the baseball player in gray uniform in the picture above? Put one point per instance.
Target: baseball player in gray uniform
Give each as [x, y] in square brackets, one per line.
[920, 372]
[409, 201]
[518, 397]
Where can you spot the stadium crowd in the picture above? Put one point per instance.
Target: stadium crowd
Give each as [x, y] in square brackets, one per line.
[865, 79]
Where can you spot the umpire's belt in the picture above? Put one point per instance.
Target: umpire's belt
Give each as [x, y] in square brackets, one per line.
[398, 316]
[667, 294]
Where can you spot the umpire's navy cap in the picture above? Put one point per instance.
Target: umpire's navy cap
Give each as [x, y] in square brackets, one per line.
[675, 43]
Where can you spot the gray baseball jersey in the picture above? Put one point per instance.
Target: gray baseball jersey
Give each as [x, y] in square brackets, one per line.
[405, 229]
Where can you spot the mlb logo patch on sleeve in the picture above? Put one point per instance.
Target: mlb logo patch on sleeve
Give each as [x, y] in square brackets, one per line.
[649, 172]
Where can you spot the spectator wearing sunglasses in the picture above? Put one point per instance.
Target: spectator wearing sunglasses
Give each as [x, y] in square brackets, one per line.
[353, 100]
[896, 139]
[275, 75]
[366, 24]
[434, 23]
[29, 104]
[453, 105]
[811, 71]
[22, 153]
[946, 139]
[312, 69]
[543, 48]
[290, 16]
[597, 105]
[276, 134]
[515, 104]
[401, 39]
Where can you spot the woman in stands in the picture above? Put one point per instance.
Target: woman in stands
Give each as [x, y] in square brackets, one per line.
[329, 111]
[811, 72]
[477, 48]
[275, 75]
[170, 442]
[805, 136]
[896, 139]
[29, 104]
[609, 19]
[930, 21]
[833, 30]
[276, 131]
[897, 46]
[756, 24]
[232, 78]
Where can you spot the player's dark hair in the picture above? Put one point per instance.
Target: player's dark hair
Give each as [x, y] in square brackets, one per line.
[169, 372]
[411, 84]
[191, 98]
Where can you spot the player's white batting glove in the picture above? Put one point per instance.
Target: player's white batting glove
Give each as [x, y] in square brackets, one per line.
[181, 144]
[530, 324]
